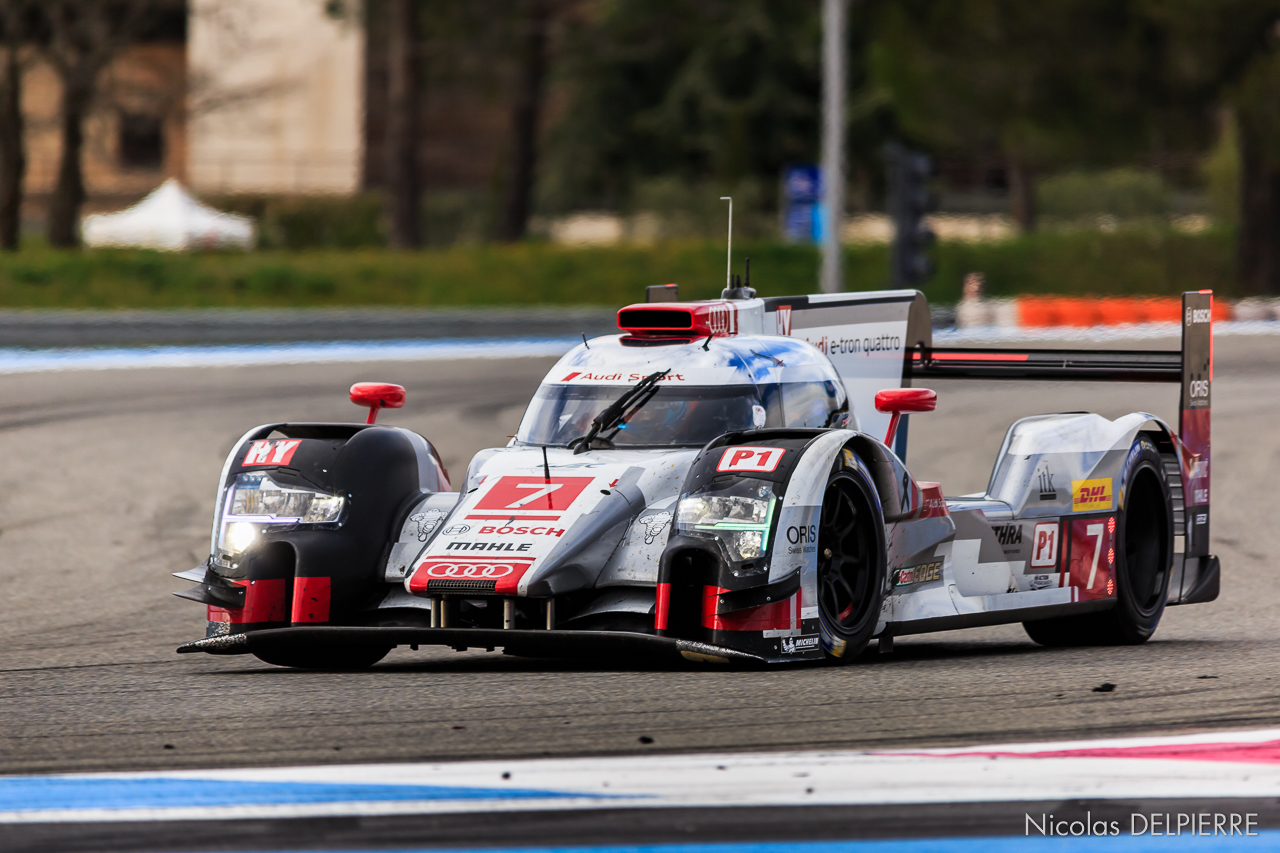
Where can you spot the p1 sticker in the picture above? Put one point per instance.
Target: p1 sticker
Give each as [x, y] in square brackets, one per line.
[271, 452]
[1044, 545]
[1091, 495]
[762, 459]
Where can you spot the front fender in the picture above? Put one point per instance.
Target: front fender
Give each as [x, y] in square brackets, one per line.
[767, 606]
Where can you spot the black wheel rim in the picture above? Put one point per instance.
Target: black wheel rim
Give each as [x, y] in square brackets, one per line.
[846, 561]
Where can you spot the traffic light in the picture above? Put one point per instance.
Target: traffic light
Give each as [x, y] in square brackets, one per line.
[909, 201]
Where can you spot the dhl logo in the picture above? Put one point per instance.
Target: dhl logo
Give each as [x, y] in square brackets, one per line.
[1090, 495]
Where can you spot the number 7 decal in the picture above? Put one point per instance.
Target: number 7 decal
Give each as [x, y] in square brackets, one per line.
[1093, 557]
[534, 493]
[540, 490]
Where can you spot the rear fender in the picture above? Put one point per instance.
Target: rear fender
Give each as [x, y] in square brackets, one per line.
[1046, 460]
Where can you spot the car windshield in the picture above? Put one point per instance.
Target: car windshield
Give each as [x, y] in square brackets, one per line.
[678, 415]
[674, 416]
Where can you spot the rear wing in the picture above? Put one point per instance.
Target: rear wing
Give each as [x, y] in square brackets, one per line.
[1191, 366]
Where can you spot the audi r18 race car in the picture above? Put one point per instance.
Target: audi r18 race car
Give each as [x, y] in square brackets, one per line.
[726, 481]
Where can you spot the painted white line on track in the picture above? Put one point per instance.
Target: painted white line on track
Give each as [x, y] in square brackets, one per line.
[1217, 764]
[20, 360]
[15, 360]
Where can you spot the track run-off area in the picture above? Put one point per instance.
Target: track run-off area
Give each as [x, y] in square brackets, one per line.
[107, 487]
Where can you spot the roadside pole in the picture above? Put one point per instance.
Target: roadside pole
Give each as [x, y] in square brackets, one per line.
[833, 85]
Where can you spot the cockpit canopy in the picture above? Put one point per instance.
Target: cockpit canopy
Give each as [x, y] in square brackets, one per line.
[730, 384]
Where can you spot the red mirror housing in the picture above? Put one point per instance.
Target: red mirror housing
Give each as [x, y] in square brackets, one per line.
[900, 400]
[377, 395]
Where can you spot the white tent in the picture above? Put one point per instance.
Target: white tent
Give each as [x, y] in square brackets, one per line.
[169, 219]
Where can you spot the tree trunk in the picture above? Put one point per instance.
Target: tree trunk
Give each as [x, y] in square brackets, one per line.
[68, 193]
[1258, 250]
[13, 159]
[1022, 194]
[402, 179]
[524, 124]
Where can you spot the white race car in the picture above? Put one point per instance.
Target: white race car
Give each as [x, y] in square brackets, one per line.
[723, 480]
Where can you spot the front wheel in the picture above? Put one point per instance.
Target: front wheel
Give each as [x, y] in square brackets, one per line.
[851, 562]
[1144, 553]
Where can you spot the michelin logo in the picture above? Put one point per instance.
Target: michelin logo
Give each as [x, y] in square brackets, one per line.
[654, 525]
[427, 521]
[799, 645]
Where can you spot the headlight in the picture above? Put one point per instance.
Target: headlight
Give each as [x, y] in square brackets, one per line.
[240, 536]
[715, 509]
[739, 519]
[259, 495]
[256, 500]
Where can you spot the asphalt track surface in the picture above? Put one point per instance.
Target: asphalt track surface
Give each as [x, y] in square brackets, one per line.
[107, 486]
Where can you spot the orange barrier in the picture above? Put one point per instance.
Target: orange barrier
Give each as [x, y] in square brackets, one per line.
[1042, 311]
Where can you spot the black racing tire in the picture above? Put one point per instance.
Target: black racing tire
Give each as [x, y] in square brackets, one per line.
[851, 561]
[1144, 556]
[331, 659]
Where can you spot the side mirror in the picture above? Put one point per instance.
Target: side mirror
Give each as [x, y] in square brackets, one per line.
[900, 400]
[377, 395]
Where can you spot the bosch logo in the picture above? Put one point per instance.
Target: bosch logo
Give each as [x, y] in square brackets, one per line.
[470, 571]
[1198, 315]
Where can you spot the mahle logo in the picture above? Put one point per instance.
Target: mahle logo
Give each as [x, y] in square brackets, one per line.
[1091, 495]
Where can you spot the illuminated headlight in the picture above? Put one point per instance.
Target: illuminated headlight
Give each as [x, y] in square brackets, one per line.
[740, 522]
[256, 501]
[240, 535]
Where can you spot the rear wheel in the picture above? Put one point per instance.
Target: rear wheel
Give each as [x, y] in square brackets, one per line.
[851, 563]
[338, 660]
[1144, 552]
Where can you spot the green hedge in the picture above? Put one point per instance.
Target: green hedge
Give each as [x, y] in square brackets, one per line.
[1155, 262]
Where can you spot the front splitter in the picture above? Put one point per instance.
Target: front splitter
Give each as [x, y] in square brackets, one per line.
[528, 643]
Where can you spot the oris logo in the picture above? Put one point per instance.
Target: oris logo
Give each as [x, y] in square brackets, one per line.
[469, 571]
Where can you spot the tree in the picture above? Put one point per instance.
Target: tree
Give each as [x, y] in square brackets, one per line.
[1045, 83]
[84, 37]
[1227, 53]
[525, 115]
[722, 89]
[402, 179]
[17, 24]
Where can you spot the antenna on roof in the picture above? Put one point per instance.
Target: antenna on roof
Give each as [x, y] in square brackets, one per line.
[728, 267]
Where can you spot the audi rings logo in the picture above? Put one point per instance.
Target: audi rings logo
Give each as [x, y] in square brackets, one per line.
[470, 571]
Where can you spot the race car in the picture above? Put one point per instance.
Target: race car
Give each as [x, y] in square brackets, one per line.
[725, 481]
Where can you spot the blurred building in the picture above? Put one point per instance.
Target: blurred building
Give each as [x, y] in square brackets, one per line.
[245, 97]
[276, 96]
[136, 134]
